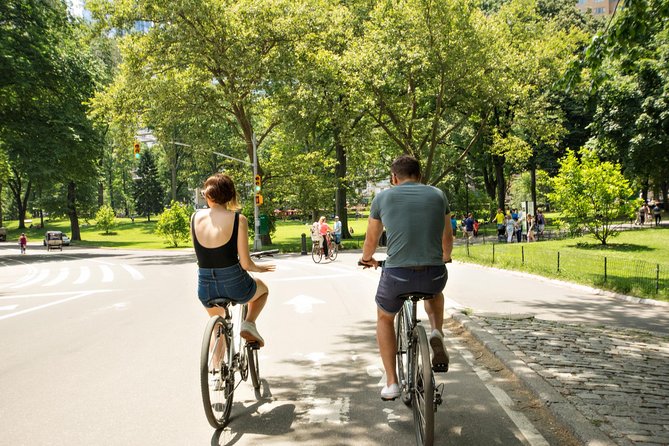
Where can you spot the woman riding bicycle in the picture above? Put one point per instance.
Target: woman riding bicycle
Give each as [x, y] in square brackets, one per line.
[220, 238]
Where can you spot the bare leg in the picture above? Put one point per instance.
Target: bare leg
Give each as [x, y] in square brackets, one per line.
[385, 336]
[258, 301]
[435, 311]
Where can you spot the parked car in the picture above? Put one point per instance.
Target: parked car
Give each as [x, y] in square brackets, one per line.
[64, 237]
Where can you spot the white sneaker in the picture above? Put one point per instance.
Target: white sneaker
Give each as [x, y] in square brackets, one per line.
[439, 353]
[389, 393]
[250, 333]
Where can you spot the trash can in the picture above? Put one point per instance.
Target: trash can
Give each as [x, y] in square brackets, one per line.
[263, 228]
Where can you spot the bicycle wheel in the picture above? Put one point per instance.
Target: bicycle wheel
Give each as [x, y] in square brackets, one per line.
[423, 390]
[217, 379]
[316, 253]
[250, 364]
[333, 252]
[403, 355]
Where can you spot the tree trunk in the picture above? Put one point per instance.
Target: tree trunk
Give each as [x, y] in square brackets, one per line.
[340, 194]
[499, 179]
[101, 194]
[533, 187]
[72, 210]
[16, 186]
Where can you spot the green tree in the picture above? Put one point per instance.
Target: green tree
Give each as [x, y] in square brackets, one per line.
[105, 218]
[592, 194]
[148, 192]
[174, 224]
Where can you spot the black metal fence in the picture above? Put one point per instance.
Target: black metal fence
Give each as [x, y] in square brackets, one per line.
[628, 276]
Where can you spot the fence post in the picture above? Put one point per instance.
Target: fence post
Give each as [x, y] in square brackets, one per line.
[522, 255]
[558, 260]
[605, 268]
[493, 253]
[657, 279]
[467, 244]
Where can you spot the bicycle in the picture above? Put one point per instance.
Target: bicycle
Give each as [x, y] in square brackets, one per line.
[414, 367]
[317, 250]
[224, 353]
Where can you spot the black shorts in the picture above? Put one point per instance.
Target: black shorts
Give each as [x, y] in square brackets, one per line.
[396, 281]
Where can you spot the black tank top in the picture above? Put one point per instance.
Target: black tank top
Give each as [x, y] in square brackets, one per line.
[221, 256]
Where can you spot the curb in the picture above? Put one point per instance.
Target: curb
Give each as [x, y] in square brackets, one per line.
[560, 408]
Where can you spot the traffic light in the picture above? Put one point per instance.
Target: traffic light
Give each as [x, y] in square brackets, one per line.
[258, 184]
[136, 150]
[258, 199]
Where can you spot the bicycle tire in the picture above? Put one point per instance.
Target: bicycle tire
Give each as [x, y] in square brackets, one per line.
[254, 366]
[423, 390]
[333, 252]
[217, 395]
[250, 364]
[401, 335]
[316, 253]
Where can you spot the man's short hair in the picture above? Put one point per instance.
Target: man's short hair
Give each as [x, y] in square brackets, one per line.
[406, 166]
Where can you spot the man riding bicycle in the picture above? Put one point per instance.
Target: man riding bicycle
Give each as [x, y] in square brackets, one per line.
[420, 240]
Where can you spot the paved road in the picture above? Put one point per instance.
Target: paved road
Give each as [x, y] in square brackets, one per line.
[101, 347]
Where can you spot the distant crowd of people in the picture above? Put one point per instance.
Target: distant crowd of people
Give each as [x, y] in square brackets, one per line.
[647, 212]
[511, 225]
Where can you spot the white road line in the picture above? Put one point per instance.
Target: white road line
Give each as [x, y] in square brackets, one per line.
[527, 429]
[62, 275]
[133, 272]
[8, 307]
[310, 277]
[107, 273]
[43, 274]
[55, 293]
[84, 275]
[50, 304]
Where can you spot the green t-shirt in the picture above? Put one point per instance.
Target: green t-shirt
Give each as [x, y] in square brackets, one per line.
[413, 215]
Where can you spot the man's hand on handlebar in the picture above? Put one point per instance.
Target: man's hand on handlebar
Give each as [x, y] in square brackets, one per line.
[368, 263]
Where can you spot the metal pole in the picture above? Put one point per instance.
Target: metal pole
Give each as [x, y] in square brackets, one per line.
[558, 261]
[257, 244]
[522, 255]
[605, 269]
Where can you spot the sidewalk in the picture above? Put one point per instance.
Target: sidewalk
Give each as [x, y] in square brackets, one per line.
[602, 378]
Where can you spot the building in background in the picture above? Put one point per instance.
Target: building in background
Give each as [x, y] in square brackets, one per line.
[599, 8]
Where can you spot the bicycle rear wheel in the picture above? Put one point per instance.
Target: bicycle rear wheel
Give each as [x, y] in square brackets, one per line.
[423, 390]
[216, 376]
[251, 364]
[402, 337]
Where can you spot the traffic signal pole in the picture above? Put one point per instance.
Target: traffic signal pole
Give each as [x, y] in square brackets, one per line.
[257, 243]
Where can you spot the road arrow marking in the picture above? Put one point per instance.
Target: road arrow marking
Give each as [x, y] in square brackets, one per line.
[304, 304]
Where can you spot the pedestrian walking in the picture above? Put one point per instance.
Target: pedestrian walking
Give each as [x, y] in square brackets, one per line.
[23, 243]
[657, 213]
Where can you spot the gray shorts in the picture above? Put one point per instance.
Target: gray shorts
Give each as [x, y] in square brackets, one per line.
[396, 281]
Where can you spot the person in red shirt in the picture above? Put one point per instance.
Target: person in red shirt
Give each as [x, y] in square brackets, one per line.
[23, 242]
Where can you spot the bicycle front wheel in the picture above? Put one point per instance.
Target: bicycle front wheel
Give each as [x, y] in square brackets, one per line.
[316, 253]
[254, 366]
[401, 334]
[216, 375]
[423, 390]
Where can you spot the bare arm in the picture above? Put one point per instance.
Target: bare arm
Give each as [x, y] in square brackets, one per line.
[243, 249]
[447, 239]
[374, 231]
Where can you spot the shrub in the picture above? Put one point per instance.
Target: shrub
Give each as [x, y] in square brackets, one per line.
[105, 218]
[174, 224]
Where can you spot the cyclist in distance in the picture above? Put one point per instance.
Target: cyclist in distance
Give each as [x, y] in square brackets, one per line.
[420, 240]
[220, 238]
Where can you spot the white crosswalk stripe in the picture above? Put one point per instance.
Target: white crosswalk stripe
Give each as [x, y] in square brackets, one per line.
[84, 275]
[81, 275]
[62, 275]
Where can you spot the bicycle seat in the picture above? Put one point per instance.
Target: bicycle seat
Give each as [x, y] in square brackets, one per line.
[415, 296]
[222, 302]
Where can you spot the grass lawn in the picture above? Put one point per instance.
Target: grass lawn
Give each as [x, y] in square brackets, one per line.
[635, 262]
[141, 234]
